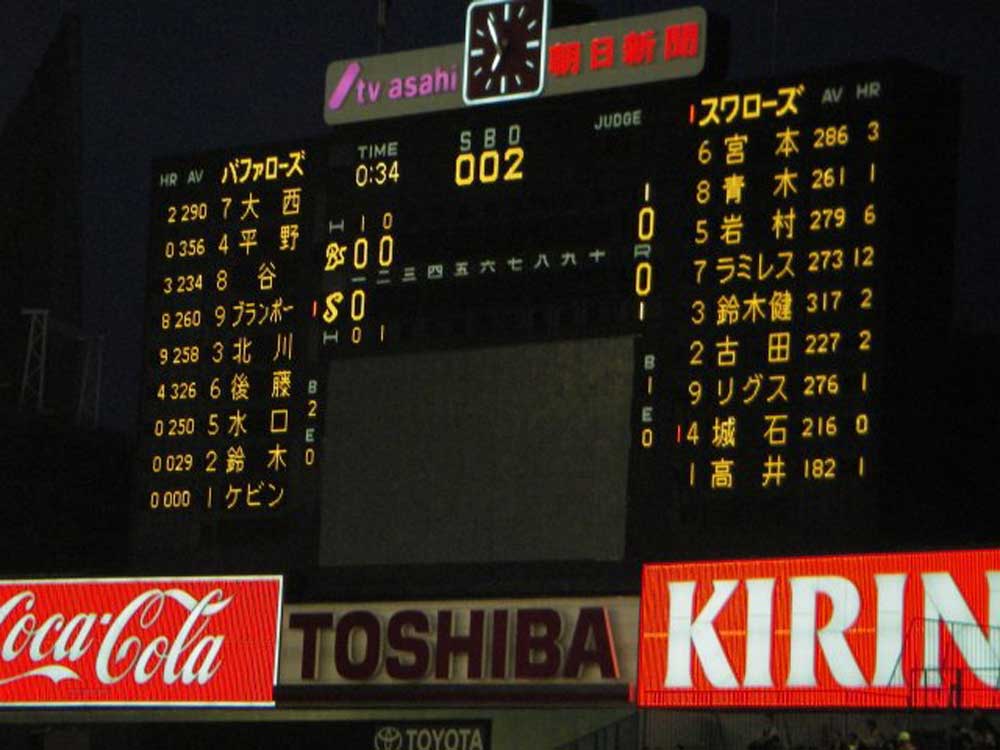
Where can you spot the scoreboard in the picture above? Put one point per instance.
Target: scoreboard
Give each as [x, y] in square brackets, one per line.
[661, 322]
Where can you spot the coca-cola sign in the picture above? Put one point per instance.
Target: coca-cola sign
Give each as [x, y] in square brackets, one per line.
[183, 641]
[887, 631]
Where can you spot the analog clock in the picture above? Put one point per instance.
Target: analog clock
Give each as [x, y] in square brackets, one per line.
[504, 50]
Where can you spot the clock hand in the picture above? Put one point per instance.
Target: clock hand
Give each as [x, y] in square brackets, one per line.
[493, 32]
[496, 61]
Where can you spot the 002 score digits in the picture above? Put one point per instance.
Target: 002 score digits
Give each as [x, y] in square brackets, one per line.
[493, 163]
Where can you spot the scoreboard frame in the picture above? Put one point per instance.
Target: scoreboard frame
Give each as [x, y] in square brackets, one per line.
[919, 206]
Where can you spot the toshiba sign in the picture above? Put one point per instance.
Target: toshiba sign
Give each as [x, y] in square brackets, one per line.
[885, 631]
[460, 648]
[178, 641]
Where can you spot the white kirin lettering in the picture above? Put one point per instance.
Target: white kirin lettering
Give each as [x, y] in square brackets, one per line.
[943, 605]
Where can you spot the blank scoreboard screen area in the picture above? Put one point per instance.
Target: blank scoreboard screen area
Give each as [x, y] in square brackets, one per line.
[667, 321]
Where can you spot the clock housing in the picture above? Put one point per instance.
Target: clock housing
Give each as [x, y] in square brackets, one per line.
[505, 44]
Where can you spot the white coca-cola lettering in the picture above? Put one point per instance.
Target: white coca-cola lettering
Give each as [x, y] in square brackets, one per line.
[943, 605]
[189, 655]
[23, 627]
[73, 640]
[78, 630]
[38, 650]
[148, 658]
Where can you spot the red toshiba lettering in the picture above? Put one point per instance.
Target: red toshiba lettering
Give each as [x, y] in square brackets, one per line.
[460, 645]
[450, 644]
[537, 655]
[415, 648]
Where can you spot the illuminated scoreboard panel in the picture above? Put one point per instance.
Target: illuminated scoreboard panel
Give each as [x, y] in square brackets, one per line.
[650, 322]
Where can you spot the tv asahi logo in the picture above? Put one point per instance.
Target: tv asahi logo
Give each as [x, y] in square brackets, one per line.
[429, 738]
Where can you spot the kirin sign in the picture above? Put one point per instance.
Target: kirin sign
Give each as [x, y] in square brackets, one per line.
[183, 641]
[880, 631]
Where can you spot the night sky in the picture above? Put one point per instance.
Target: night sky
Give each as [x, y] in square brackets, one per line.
[168, 78]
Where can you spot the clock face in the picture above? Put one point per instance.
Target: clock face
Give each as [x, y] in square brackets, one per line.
[504, 50]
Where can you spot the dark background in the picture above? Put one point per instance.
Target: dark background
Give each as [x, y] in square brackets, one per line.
[151, 80]
[169, 78]
[248, 735]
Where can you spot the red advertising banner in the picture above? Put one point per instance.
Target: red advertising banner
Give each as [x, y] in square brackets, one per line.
[140, 641]
[873, 631]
